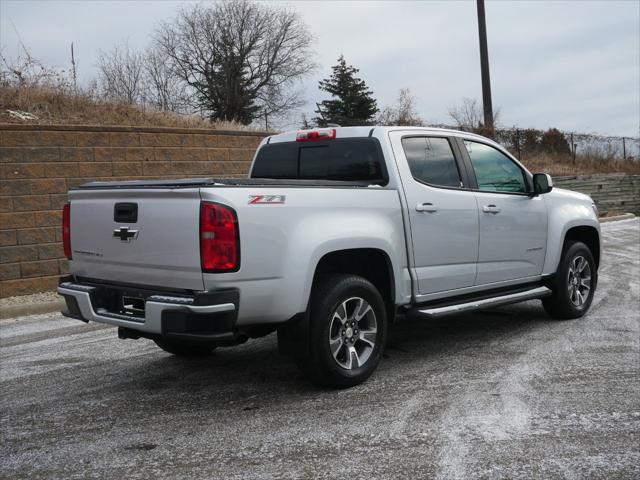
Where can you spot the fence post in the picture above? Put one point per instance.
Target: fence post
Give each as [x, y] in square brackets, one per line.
[573, 149]
[624, 149]
[518, 143]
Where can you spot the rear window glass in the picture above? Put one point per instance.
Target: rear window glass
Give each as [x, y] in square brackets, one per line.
[347, 159]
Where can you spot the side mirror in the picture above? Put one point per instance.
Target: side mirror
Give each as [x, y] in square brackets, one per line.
[542, 183]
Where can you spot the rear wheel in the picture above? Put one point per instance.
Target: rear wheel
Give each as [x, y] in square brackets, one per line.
[348, 330]
[184, 349]
[574, 285]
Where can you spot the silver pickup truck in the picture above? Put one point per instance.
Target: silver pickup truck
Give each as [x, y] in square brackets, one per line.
[335, 233]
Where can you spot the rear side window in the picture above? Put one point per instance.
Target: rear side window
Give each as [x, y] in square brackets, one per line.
[347, 159]
[431, 161]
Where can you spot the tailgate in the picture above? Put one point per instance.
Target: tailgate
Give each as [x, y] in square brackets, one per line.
[161, 247]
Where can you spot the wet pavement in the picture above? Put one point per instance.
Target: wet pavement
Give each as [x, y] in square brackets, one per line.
[505, 393]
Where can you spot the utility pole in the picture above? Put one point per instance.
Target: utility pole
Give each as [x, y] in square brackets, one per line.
[484, 68]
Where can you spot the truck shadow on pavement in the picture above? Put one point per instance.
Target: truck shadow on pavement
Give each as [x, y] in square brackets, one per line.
[256, 370]
[457, 332]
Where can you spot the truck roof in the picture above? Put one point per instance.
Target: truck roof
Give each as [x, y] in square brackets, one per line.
[350, 132]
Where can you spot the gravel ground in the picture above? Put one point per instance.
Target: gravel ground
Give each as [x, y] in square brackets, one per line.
[29, 299]
[505, 393]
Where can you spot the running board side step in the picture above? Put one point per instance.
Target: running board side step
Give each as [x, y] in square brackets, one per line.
[441, 311]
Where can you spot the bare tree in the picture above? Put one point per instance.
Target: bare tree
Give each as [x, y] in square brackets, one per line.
[470, 115]
[121, 73]
[163, 88]
[403, 112]
[241, 59]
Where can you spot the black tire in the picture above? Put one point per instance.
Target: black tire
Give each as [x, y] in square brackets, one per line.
[560, 305]
[336, 298]
[184, 349]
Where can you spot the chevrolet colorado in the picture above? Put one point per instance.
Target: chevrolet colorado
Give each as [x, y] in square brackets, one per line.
[335, 233]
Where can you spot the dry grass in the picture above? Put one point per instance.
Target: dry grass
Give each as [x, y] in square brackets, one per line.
[54, 107]
[584, 165]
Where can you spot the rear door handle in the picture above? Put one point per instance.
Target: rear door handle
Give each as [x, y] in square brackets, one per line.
[426, 207]
[491, 209]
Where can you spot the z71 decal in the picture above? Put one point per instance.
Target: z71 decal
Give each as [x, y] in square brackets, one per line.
[266, 199]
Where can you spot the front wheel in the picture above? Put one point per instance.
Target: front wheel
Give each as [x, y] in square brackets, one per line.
[574, 285]
[347, 331]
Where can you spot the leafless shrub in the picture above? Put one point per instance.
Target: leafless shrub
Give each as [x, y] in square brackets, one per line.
[402, 113]
[26, 71]
[583, 165]
[121, 74]
[469, 115]
[163, 88]
[566, 153]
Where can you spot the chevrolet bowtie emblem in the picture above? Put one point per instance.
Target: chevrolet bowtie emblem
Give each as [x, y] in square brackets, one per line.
[124, 234]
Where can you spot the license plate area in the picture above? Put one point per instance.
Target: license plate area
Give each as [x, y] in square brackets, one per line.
[133, 306]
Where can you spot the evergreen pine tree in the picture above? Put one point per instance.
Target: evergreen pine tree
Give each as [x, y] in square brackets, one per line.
[352, 102]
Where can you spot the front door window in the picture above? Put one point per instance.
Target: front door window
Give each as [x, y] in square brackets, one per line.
[495, 172]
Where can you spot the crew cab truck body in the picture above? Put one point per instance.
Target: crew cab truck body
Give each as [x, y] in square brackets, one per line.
[333, 234]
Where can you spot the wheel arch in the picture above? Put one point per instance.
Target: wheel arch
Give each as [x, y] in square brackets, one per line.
[561, 231]
[586, 234]
[373, 264]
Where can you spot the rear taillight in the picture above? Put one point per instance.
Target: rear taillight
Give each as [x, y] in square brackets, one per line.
[219, 238]
[320, 134]
[66, 230]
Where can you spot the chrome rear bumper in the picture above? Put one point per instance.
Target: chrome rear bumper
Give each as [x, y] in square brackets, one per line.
[81, 304]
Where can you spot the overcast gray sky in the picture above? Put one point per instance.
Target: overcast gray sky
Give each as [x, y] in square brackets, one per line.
[574, 64]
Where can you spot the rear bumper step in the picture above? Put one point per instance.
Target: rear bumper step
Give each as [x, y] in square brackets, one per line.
[471, 305]
[204, 316]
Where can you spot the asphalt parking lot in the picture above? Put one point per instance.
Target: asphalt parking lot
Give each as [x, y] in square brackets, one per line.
[505, 393]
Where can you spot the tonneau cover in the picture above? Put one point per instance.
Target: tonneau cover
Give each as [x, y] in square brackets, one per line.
[217, 182]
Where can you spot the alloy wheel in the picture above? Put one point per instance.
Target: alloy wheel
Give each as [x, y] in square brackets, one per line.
[579, 281]
[353, 333]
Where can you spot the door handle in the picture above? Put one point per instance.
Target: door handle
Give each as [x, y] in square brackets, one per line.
[426, 207]
[491, 209]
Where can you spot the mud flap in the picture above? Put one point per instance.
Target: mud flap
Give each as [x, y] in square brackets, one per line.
[293, 336]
